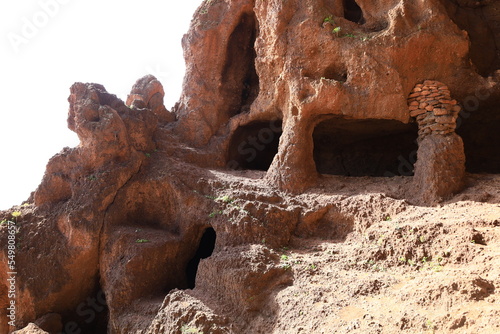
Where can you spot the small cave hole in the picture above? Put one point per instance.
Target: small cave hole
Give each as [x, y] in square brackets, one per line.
[239, 77]
[205, 250]
[253, 146]
[353, 12]
[333, 73]
[365, 147]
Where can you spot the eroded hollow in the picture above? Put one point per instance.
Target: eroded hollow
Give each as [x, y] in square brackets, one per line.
[253, 146]
[482, 22]
[336, 73]
[205, 249]
[365, 147]
[89, 317]
[353, 12]
[480, 132]
[239, 77]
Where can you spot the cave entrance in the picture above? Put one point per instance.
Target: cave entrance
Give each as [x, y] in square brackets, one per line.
[480, 132]
[365, 147]
[239, 77]
[205, 249]
[90, 317]
[253, 146]
[353, 12]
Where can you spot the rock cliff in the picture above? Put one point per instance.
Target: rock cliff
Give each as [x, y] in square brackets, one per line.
[331, 166]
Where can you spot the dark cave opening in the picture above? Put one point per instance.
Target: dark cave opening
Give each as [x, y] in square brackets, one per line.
[334, 72]
[480, 132]
[253, 146]
[205, 249]
[353, 12]
[365, 147]
[239, 77]
[90, 316]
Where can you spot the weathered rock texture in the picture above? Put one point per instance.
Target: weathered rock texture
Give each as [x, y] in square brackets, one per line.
[185, 220]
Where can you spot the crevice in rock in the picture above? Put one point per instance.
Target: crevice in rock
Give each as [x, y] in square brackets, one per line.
[239, 77]
[353, 12]
[205, 249]
[480, 132]
[90, 316]
[253, 146]
[364, 147]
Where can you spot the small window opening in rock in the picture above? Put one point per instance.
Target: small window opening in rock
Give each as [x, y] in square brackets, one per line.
[480, 132]
[239, 77]
[365, 147]
[353, 12]
[253, 146]
[333, 73]
[205, 249]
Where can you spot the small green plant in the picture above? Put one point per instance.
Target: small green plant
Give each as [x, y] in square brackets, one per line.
[402, 259]
[148, 155]
[25, 205]
[225, 199]
[411, 262]
[3, 222]
[142, 241]
[422, 239]
[92, 177]
[350, 35]
[329, 19]
[313, 267]
[388, 218]
[429, 325]
[185, 329]
[16, 214]
[215, 213]
[284, 257]
[336, 30]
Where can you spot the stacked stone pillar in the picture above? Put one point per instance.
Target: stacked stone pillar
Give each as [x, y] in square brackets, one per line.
[440, 166]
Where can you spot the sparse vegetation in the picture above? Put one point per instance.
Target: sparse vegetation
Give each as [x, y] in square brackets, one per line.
[142, 241]
[329, 20]
[185, 329]
[215, 213]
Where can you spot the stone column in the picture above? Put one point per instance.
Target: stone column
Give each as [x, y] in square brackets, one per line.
[440, 166]
[293, 168]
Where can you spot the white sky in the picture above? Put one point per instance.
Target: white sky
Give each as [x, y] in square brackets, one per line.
[110, 42]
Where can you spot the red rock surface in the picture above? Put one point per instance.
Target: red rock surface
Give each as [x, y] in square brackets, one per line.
[278, 195]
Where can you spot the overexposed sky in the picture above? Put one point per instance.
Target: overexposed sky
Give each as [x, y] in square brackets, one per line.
[47, 45]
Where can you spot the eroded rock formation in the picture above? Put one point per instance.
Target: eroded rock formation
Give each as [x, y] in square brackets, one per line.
[161, 220]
